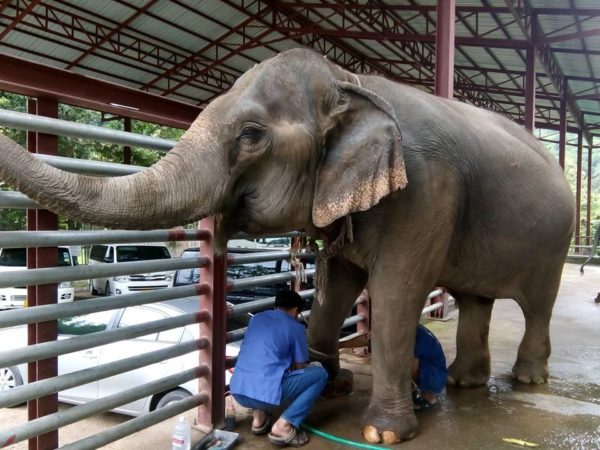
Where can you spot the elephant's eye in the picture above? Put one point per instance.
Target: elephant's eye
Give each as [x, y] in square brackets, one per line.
[251, 134]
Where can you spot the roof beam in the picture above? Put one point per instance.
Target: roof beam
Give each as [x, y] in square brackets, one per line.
[569, 36]
[528, 22]
[111, 33]
[18, 17]
[37, 80]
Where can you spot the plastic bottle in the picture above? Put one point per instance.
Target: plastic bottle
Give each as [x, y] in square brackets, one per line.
[181, 437]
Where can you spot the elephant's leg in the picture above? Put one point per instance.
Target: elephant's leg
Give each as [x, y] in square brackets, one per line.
[344, 283]
[536, 302]
[472, 364]
[396, 305]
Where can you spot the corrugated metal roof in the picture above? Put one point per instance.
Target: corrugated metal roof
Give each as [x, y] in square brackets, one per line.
[192, 51]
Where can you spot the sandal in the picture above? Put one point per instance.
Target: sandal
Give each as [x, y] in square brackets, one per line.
[265, 427]
[420, 404]
[294, 439]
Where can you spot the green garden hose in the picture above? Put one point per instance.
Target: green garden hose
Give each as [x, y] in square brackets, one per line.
[341, 440]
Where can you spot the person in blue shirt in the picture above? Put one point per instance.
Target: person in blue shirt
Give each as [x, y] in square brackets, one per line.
[429, 371]
[272, 370]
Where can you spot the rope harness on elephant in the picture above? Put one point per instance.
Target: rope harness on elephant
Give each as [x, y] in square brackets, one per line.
[330, 250]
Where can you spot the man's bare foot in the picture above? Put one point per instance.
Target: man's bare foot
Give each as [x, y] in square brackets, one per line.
[258, 418]
[282, 427]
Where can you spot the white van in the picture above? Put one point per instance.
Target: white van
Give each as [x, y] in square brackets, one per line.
[12, 259]
[125, 284]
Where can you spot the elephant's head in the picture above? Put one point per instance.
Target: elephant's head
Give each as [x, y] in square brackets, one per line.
[296, 141]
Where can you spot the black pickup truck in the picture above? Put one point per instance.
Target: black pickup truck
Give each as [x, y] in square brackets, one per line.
[185, 277]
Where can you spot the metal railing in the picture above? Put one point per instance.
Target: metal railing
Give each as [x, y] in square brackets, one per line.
[210, 399]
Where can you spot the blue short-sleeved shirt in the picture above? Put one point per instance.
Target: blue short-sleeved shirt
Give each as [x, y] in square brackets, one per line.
[274, 340]
[432, 362]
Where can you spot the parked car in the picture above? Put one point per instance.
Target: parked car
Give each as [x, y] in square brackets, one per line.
[125, 284]
[108, 320]
[185, 277]
[12, 259]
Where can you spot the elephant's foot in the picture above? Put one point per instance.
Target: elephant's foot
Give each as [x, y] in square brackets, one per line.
[379, 426]
[530, 372]
[471, 374]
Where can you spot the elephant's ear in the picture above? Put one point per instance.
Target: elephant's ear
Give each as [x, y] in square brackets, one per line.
[363, 159]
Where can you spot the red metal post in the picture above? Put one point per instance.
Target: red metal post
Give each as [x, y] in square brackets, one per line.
[364, 308]
[578, 191]
[127, 148]
[530, 89]
[562, 143]
[588, 213]
[444, 49]
[212, 414]
[43, 294]
[32, 290]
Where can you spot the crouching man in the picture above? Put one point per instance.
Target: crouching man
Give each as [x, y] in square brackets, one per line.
[272, 370]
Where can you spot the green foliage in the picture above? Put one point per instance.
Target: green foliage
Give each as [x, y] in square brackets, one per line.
[81, 148]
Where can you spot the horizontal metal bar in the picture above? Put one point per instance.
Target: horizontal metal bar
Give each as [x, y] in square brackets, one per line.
[263, 303]
[234, 259]
[24, 121]
[58, 274]
[290, 234]
[54, 348]
[353, 320]
[430, 308]
[87, 167]
[16, 200]
[241, 283]
[21, 394]
[60, 419]
[122, 430]
[236, 335]
[435, 293]
[18, 239]
[44, 313]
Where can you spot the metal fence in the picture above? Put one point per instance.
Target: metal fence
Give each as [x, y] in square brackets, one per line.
[210, 318]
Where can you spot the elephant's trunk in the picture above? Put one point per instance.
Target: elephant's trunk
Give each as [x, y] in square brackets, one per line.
[171, 192]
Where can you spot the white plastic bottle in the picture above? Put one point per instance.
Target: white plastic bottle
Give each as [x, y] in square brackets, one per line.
[180, 440]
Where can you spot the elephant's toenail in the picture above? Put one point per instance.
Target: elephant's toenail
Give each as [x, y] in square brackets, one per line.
[371, 434]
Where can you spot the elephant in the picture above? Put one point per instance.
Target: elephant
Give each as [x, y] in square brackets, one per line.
[407, 191]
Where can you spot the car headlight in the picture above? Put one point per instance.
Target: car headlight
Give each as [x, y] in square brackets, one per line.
[169, 276]
[65, 284]
[121, 278]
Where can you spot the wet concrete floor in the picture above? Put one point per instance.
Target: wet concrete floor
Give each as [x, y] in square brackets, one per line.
[563, 414]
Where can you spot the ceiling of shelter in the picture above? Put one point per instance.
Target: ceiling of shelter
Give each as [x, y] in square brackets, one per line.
[194, 50]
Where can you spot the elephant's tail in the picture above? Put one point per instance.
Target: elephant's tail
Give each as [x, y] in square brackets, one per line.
[593, 251]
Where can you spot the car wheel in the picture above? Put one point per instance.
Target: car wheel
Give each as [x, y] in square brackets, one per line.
[107, 290]
[93, 290]
[171, 397]
[10, 377]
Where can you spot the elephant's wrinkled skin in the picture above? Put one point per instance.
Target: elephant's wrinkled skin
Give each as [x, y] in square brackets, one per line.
[416, 191]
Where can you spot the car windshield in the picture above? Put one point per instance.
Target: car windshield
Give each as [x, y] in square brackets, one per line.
[141, 253]
[17, 257]
[85, 324]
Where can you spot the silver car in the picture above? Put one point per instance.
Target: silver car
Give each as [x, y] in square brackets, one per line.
[101, 321]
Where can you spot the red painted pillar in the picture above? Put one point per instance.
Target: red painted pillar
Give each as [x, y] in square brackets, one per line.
[127, 148]
[588, 214]
[578, 191]
[44, 294]
[530, 89]
[32, 290]
[444, 49]
[562, 139]
[212, 414]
